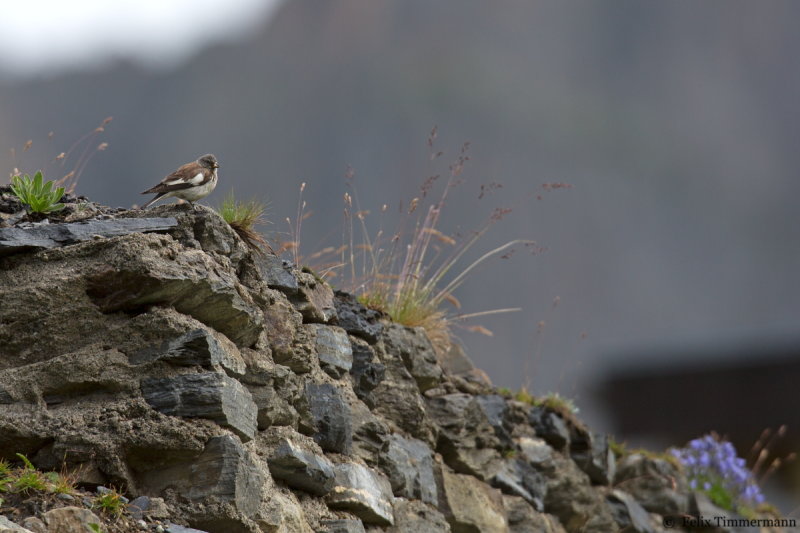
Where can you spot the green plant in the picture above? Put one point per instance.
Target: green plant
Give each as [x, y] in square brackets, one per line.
[556, 402]
[412, 274]
[5, 467]
[28, 481]
[110, 502]
[242, 217]
[39, 197]
[95, 527]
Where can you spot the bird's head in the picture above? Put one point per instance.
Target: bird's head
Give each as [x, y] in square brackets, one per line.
[208, 161]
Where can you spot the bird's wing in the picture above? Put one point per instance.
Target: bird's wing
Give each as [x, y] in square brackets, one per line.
[188, 175]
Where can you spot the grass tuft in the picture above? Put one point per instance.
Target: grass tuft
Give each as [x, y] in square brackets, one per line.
[110, 503]
[242, 218]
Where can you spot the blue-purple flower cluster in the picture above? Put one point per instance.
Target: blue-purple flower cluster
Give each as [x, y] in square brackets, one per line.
[712, 464]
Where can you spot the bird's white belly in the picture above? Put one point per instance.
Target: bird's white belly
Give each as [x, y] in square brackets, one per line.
[193, 194]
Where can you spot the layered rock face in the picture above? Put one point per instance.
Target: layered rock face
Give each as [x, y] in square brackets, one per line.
[174, 363]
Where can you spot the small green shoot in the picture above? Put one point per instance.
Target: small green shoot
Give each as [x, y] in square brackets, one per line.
[110, 503]
[5, 468]
[242, 217]
[28, 463]
[38, 196]
[95, 527]
[29, 481]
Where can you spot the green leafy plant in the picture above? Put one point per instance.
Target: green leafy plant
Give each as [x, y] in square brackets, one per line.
[242, 217]
[38, 196]
[95, 527]
[29, 481]
[110, 502]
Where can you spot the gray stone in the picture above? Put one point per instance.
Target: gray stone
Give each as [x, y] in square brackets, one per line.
[370, 434]
[273, 410]
[139, 506]
[332, 418]
[301, 469]
[333, 349]
[628, 514]
[518, 478]
[536, 452]
[226, 471]
[194, 348]
[357, 319]
[211, 395]
[276, 272]
[313, 299]
[469, 505]
[409, 465]
[550, 426]
[35, 524]
[175, 528]
[367, 372]
[363, 492]
[342, 526]
[466, 440]
[416, 352]
[495, 408]
[572, 499]
[593, 455]
[7, 525]
[15, 240]
[397, 399]
[655, 483]
[413, 516]
[522, 518]
[151, 270]
[281, 513]
[70, 519]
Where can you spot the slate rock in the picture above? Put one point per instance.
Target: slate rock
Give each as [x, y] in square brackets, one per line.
[550, 426]
[408, 463]
[466, 440]
[495, 408]
[522, 518]
[342, 526]
[333, 349]
[276, 272]
[313, 299]
[413, 516]
[175, 528]
[332, 417]
[415, 350]
[15, 240]
[273, 410]
[194, 348]
[281, 513]
[593, 455]
[148, 270]
[367, 371]
[536, 452]
[363, 492]
[301, 469]
[357, 319]
[210, 395]
[571, 498]
[655, 483]
[628, 514]
[518, 478]
[226, 471]
[470, 505]
[5, 397]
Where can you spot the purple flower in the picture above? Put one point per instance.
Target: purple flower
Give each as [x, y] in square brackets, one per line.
[709, 461]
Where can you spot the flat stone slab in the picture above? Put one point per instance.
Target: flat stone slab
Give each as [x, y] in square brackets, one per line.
[362, 492]
[15, 240]
[211, 395]
[301, 469]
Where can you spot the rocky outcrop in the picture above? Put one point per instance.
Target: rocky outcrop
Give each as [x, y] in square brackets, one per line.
[235, 393]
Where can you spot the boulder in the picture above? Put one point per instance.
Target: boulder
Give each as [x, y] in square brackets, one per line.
[363, 492]
[301, 469]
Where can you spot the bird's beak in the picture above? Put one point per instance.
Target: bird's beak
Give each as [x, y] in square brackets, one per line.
[216, 165]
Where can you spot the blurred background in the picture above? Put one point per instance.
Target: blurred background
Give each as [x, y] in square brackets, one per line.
[666, 299]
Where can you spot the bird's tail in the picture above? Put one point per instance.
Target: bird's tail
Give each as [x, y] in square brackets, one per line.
[152, 200]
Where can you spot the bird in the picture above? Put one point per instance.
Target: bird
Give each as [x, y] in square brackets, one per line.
[191, 182]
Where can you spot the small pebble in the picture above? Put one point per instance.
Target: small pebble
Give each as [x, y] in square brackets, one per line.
[66, 497]
[142, 524]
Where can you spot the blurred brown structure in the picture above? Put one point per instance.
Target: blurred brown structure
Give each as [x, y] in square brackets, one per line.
[737, 392]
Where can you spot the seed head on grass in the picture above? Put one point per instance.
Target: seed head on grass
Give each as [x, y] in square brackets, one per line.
[242, 218]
